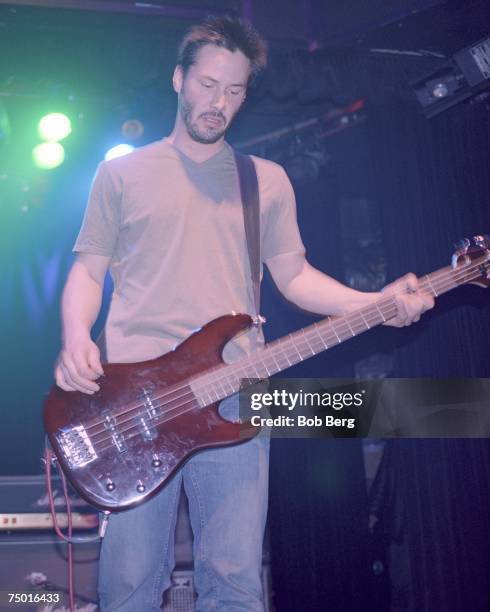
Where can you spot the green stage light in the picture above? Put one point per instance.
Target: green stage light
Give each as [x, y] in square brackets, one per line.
[48, 155]
[54, 127]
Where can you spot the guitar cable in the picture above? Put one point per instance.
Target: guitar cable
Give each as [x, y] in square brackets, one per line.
[49, 460]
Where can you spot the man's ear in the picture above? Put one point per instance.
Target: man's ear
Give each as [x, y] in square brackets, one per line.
[178, 78]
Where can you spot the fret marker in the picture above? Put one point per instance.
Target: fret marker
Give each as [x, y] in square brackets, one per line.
[365, 322]
[381, 314]
[292, 340]
[430, 285]
[351, 330]
[320, 336]
[307, 343]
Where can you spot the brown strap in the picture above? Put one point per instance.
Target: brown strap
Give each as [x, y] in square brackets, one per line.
[249, 190]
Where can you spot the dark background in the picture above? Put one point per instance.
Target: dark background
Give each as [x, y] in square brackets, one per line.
[396, 190]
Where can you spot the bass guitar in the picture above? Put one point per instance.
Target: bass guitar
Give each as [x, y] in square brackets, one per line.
[120, 446]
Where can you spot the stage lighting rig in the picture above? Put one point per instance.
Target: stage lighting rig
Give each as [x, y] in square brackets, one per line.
[465, 75]
[301, 147]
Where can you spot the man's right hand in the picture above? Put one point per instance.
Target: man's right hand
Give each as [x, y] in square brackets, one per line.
[78, 366]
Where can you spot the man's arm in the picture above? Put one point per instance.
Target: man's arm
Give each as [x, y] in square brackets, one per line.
[78, 364]
[316, 292]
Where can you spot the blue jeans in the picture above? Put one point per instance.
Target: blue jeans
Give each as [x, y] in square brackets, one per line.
[227, 490]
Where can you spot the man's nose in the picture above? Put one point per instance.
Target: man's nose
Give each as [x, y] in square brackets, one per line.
[219, 99]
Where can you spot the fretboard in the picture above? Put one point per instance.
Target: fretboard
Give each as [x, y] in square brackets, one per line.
[285, 352]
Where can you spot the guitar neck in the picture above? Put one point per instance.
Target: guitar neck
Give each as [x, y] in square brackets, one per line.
[285, 352]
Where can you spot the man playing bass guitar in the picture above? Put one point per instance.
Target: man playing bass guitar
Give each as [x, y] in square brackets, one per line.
[167, 221]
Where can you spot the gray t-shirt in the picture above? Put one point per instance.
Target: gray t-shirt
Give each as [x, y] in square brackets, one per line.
[174, 231]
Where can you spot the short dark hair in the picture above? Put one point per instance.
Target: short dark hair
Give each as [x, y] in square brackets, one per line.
[230, 33]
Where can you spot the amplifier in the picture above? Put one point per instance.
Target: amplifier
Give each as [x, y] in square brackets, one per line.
[24, 505]
[29, 548]
[27, 559]
[31, 553]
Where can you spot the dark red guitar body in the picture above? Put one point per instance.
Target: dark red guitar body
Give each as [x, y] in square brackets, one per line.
[119, 479]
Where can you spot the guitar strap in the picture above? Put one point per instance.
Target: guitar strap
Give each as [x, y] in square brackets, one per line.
[249, 191]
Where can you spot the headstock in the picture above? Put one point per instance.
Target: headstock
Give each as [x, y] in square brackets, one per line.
[474, 254]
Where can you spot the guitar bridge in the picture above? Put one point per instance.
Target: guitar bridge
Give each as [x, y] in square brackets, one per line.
[76, 446]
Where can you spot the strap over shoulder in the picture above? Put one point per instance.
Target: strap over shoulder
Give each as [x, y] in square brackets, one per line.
[249, 190]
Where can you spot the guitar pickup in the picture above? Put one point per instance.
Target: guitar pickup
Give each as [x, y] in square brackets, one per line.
[76, 446]
[117, 438]
[150, 413]
[147, 431]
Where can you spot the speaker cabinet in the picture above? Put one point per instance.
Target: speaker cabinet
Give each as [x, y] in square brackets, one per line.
[23, 556]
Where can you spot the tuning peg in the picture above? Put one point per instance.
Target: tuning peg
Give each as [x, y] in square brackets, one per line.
[482, 241]
[462, 246]
[460, 250]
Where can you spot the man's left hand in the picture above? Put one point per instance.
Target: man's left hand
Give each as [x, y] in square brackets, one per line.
[411, 301]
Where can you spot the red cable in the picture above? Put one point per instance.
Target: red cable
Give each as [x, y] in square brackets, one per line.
[70, 543]
[50, 457]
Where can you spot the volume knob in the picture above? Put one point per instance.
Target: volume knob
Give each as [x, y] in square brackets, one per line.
[156, 461]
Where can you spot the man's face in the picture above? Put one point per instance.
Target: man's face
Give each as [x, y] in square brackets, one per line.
[212, 92]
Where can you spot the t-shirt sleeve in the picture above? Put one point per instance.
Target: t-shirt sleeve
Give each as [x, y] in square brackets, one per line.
[281, 232]
[100, 226]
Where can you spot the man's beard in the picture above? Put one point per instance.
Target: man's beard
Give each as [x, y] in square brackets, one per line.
[204, 135]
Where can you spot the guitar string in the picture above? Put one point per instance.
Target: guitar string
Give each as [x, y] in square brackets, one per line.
[192, 404]
[302, 339]
[335, 326]
[242, 366]
[177, 409]
[133, 430]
